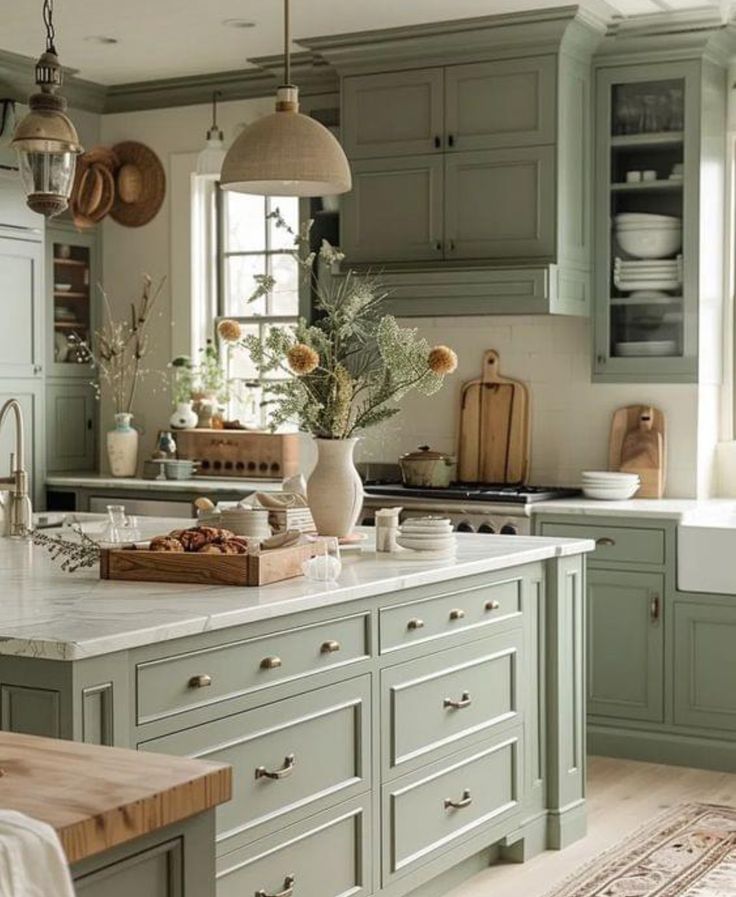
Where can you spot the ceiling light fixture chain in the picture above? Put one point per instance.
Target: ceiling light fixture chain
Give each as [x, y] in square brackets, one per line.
[287, 45]
[48, 20]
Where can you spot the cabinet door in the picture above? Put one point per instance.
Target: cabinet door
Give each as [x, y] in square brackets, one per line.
[394, 211]
[495, 104]
[625, 645]
[70, 426]
[705, 664]
[21, 288]
[500, 204]
[392, 114]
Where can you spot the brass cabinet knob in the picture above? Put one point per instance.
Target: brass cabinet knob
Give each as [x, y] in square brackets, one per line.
[288, 891]
[330, 647]
[465, 701]
[416, 623]
[282, 773]
[270, 663]
[457, 614]
[201, 681]
[492, 605]
[465, 801]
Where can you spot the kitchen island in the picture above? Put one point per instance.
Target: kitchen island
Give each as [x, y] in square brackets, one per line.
[412, 722]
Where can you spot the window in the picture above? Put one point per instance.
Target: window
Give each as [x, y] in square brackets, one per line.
[250, 244]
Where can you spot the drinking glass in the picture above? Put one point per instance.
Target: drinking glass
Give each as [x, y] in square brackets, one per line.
[326, 565]
[116, 523]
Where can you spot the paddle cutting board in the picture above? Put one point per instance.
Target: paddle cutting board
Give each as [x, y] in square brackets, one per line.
[638, 445]
[493, 440]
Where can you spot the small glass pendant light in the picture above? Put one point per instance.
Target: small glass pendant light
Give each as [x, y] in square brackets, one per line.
[46, 139]
[209, 161]
[286, 153]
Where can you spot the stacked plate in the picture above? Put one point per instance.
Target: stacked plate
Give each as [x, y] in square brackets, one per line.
[648, 275]
[609, 486]
[427, 534]
[643, 235]
[252, 522]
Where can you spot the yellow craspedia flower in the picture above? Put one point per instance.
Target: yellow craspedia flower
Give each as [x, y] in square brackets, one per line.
[229, 331]
[302, 359]
[442, 360]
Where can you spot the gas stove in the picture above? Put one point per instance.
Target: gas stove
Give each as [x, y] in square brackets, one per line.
[503, 509]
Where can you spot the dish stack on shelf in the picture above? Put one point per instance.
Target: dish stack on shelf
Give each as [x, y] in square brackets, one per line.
[428, 536]
[645, 276]
[605, 485]
[647, 236]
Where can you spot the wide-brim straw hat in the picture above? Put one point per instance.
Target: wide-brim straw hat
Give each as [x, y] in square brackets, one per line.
[93, 192]
[141, 184]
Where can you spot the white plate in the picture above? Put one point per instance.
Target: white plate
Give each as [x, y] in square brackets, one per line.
[659, 348]
[414, 529]
[434, 544]
[637, 284]
[613, 476]
[609, 495]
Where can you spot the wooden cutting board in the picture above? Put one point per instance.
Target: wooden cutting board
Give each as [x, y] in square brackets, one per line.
[638, 445]
[493, 441]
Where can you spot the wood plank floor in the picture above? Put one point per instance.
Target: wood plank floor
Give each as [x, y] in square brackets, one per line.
[622, 796]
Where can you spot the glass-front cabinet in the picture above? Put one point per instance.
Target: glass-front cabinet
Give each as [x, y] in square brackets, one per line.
[647, 176]
[71, 284]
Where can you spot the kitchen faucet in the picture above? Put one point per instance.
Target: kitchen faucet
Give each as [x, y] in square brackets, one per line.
[17, 510]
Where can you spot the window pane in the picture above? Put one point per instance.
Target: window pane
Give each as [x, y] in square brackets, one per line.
[240, 285]
[288, 206]
[245, 226]
[285, 299]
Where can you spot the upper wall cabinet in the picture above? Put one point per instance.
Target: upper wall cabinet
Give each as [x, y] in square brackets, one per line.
[471, 149]
[21, 289]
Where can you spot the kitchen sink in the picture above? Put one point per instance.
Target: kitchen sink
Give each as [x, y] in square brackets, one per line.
[706, 552]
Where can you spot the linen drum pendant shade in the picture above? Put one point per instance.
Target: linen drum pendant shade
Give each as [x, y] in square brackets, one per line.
[286, 153]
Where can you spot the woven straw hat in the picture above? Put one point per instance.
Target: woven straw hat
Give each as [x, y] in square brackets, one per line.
[93, 192]
[141, 184]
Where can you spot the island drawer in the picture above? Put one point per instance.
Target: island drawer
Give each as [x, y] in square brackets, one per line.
[293, 755]
[624, 544]
[402, 625]
[432, 703]
[440, 807]
[182, 682]
[327, 856]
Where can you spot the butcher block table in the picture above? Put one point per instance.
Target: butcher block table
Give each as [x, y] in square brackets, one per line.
[129, 822]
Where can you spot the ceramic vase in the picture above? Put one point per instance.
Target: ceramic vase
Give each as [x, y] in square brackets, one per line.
[205, 408]
[184, 417]
[335, 490]
[122, 447]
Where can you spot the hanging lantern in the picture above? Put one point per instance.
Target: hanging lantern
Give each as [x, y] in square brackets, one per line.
[46, 139]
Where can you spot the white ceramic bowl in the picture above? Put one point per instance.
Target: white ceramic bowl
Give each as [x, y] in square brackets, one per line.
[645, 218]
[613, 476]
[601, 493]
[650, 243]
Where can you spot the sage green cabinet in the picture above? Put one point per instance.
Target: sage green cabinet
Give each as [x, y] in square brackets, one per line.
[519, 221]
[507, 102]
[71, 413]
[21, 288]
[395, 209]
[625, 645]
[704, 632]
[393, 113]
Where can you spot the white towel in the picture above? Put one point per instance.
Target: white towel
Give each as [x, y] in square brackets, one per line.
[32, 862]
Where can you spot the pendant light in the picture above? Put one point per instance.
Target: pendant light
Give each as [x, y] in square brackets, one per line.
[46, 140]
[286, 153]
[209, 161]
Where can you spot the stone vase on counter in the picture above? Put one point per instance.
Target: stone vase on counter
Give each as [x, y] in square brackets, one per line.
[334, 489]
[122, 447]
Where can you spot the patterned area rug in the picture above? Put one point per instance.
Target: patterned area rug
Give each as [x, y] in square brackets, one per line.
[688, 852]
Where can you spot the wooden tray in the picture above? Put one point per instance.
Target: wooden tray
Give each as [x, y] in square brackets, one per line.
[205, 569]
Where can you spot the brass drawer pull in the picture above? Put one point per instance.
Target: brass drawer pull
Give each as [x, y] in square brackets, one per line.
[330, 647]
[492, 605]
[286, 769]
[654, 608]
[201, 681]
[457, 614]
[289, 883]
[270, 663]
[465, 801]
[605, 542]
[416, 623]
[465, 701]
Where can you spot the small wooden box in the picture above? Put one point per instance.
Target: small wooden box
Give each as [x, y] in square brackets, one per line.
[240, 453]
[258, 569]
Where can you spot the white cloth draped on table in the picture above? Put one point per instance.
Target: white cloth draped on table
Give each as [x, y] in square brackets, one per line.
[32, 862]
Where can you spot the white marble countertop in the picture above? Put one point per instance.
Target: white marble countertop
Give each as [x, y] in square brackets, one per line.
[69, 616]
[196, 484]
[679, 509]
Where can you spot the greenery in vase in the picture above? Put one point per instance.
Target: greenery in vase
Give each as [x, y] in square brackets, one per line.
[191, 382]
[119, 347]
[352, 365]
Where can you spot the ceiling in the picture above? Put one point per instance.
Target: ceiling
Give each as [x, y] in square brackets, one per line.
[169, 38]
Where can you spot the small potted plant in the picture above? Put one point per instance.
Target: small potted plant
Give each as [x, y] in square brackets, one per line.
[182, 381]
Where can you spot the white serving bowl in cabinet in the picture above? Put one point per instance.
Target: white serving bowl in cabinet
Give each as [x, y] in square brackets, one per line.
[650, 242]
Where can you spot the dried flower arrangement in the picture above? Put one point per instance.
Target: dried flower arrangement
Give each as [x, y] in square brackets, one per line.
[72, 555]
[119, 347]
[352, 365]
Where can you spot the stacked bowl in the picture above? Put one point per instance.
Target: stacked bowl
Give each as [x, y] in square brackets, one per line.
[607, 485]
[643, 235]
[251, 522]
[423, 534]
